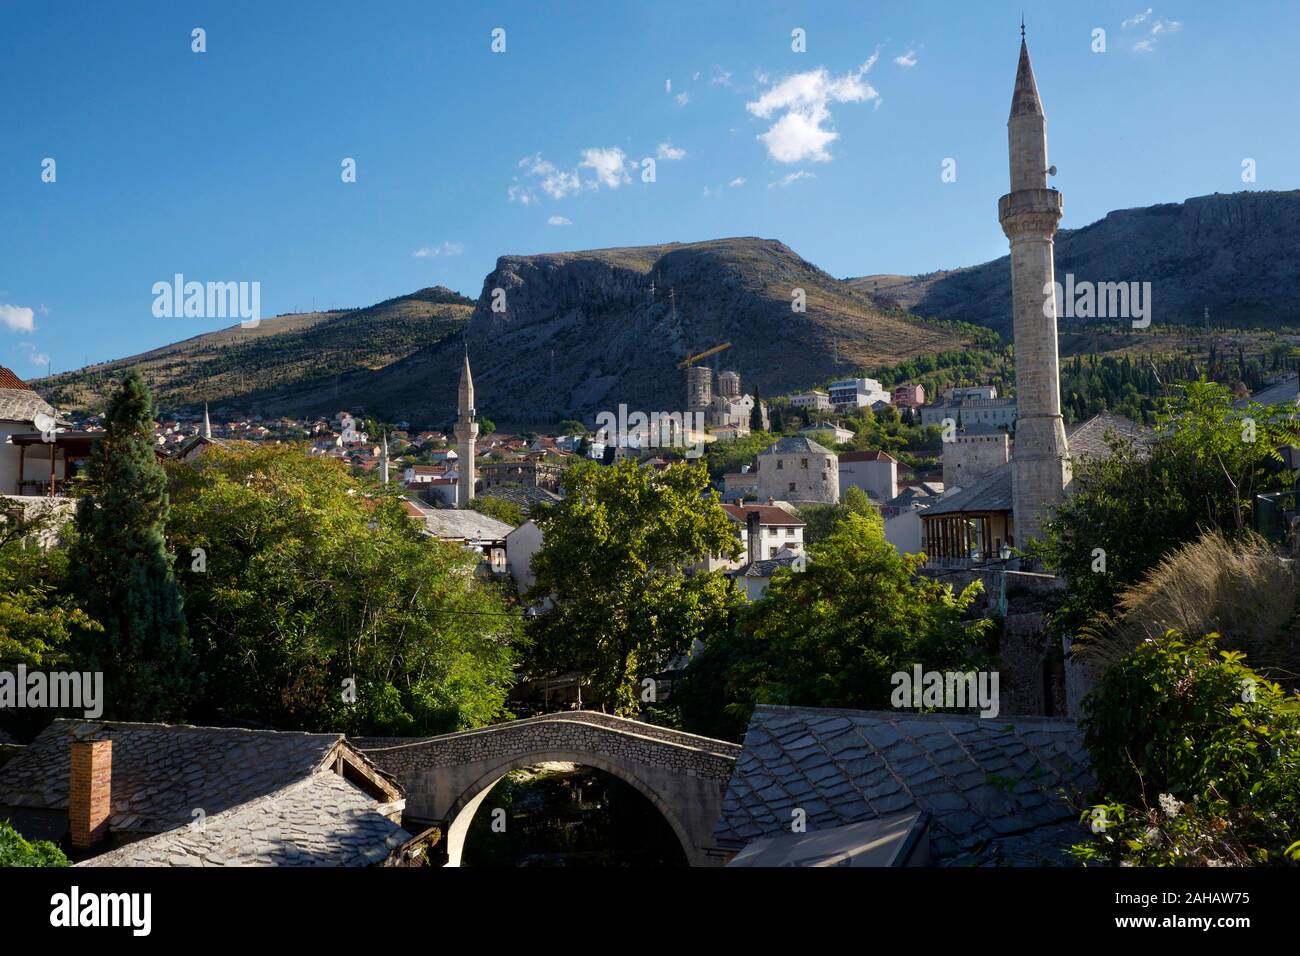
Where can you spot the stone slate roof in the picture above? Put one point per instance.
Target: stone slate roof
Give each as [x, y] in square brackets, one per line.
[22, 405]
[524, 496]
[765, 568]
[794, 446]
[1088, 439]
[462, 523]
[322, 820]
[1282, 392]
[162, 772]
[990, 493]
[990, 785]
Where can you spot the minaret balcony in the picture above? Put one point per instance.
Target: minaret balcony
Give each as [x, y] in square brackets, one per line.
[1030, 212]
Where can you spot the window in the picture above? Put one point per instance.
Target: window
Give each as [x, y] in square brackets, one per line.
[804, 462]
[792, 486]
[780, 465]
[789, 532]
[771, 552]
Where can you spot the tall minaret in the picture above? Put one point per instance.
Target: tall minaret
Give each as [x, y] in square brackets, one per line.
[1040, 464]
[207, 425]
[383, 461]
[466, 433]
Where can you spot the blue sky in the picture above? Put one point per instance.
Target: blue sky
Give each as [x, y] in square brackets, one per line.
[225, 165]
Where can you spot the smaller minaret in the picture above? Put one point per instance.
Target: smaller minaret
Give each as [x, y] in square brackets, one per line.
[207, 425]
[383, 461]
[466, 434]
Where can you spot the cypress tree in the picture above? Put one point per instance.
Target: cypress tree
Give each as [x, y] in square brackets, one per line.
[122, 568]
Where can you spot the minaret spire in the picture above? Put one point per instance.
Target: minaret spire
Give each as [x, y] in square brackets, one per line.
[1029, 214]
[207, 425]
[383, 461]
[466, 434]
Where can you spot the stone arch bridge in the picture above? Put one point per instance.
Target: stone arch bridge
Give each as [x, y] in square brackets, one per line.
[447, 778]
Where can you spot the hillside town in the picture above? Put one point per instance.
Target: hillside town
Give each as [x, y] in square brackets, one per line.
[893, 618]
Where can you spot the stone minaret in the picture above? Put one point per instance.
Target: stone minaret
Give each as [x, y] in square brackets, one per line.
[383, 461]
[207, 425]
[466, 433]
[1040, 463]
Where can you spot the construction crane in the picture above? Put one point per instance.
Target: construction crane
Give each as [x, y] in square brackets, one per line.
[692, 359]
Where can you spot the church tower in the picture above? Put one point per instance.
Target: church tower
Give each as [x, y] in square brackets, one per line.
[466, 435]
[1030, 213]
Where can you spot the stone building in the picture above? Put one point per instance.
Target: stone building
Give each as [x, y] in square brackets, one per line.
[974, 452]
[798, 470]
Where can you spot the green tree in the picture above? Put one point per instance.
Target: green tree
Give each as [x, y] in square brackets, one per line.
[820, 521]
[321, 607]
[121, 568]
[833, 634]
[16, 851]
[571, 426]
[499, 508]
[1200, 473]
[1214, 776]
[615, 567]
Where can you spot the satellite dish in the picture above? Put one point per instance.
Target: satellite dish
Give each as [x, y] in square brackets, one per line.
[43, 422]
[1051, 170]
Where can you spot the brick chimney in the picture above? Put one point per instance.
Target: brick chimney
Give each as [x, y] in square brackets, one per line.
[90, 791]
[754, 532]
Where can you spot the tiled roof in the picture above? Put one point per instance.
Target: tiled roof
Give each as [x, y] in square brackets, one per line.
[9, 380]
[991, 785]
[1282, 392]
[866, 456]
[162, 773]
[767, 514]
[322, 820]
[793, 446]
[990, 493]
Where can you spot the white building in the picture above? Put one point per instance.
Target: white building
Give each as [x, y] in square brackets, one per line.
[816, 400]
[854, 393]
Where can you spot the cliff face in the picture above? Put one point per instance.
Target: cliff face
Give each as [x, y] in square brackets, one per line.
[1234, 254]
[583, 332]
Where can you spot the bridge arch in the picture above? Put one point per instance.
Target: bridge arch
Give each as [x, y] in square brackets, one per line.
[462, 812]
[447, 778]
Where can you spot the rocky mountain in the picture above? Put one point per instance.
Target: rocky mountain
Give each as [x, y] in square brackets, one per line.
[576, 333]
[280, 356]
[1234, 254]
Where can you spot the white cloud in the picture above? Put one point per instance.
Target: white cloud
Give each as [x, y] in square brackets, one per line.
[721, 77]
[17, 318]
[1135, 20]
[442, 249]
[906, 59]
[668, 85]
[520, 194]
[696, 76]
[683, 99]
[738, 181]
[669, 151]
[1157, 29]
[559, 221]
[607, 164]
[555, 182]
[36, 357]
[791, 178]
[803, 100]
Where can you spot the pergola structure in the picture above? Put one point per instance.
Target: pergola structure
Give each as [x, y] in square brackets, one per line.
[973, 524]
[46, 452]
